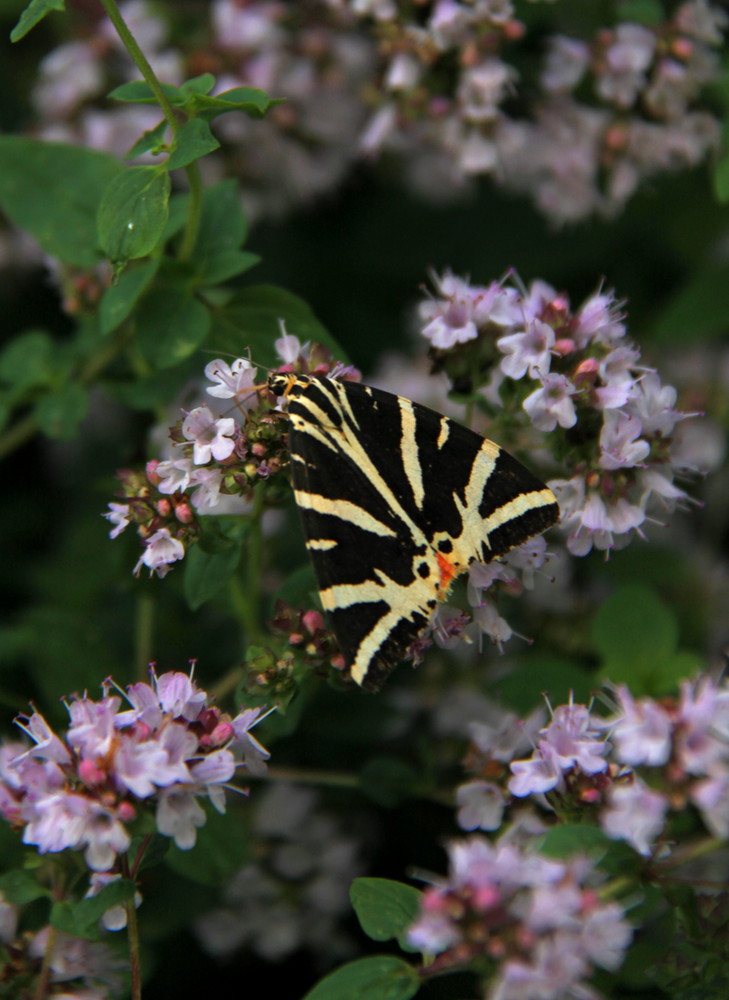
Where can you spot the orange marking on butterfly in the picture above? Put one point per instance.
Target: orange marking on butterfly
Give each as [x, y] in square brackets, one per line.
[448, 572]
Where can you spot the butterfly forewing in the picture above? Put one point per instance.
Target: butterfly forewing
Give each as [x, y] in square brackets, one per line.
[396, 501]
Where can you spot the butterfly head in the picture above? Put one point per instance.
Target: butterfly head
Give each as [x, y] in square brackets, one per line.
[281, 383]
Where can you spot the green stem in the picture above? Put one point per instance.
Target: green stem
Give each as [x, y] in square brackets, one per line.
[174, 119]
[194, 213]
[141, 62]
[303, 776]
[135, 960]
[44, 976]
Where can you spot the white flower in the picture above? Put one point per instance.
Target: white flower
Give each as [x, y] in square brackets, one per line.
[619, 444]
[552, 403]
[635, 813]
[212, 438]
[118, 514]
[178, 816]
[161, 550]
[234, 382]
[174, 474]
[481, 805]
[528, 350]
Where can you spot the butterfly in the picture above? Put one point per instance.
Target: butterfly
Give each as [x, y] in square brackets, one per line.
[396, 502]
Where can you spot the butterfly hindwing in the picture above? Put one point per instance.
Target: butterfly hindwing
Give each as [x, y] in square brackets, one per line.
[396, 501]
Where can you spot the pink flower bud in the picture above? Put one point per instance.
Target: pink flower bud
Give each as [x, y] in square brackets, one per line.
[163, 507]
[312, 620]
[586, 372]
[220, 735]
[90, 774]
[126, 812]
[682, 48]
[487, 897]
[184, 513]
[563, 346]
[151, 470]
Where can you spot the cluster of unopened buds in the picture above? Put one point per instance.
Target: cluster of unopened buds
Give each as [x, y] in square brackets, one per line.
[305, 632]
[629, 772]
[166, 749]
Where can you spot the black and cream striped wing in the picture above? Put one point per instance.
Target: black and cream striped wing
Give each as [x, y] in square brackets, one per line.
[396, 501]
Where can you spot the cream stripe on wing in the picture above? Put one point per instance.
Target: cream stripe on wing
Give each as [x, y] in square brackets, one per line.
[347, 441]
[345, 510]
[516, 507]
[409, 452]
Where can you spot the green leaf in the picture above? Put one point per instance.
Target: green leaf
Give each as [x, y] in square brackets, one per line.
[256, 311]
[139, 92]
[19, 886]
[33, 13]
[206, 573]
[575, 838]
[27, 361]
[53, 192]
[222, 847]
[192, 142]
[171, 324]
[648, 12]
[81, 919]
[60, 412]
[252, 102]
[388, 781]
[380, 977]
[120, 299]
[299, 587]
[223, 225]
[133, 213]
[179, 208]
[385, 908]
[540, 672]
[152, 140]
[699, 311]
[221, 267]
[223, 229]
[201, 84]
[156, 389]
[636, 635]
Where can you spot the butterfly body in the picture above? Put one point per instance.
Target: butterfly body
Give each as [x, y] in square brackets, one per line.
[397, 501]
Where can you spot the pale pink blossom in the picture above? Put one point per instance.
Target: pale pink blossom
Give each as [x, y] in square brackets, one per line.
[212, 438]
[160, 552]
[552, 403]
[634, 813]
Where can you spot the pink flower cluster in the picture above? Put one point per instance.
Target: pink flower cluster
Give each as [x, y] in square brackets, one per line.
[539, 921]
[428, 83]
[614, 424]
[215, 461]
[167, 749]
[629, 771]
[78, 969]
[574, 156]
